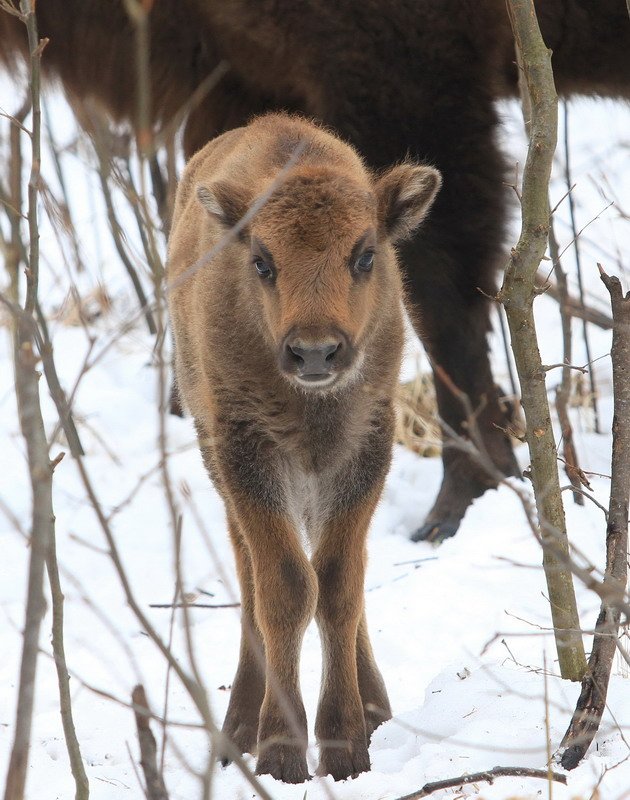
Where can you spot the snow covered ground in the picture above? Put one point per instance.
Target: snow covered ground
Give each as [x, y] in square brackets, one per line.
[460, 631]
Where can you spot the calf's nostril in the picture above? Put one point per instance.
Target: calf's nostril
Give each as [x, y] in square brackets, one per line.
[331, 351]
[296, 354]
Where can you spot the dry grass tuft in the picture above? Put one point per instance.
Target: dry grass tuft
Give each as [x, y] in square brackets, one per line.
[416, 422]
[76, 310]
[416, 425]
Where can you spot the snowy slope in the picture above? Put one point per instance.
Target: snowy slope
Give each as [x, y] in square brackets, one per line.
[460, 631]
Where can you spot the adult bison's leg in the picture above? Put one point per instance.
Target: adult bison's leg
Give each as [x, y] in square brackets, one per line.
[451, 265]
[460, 349]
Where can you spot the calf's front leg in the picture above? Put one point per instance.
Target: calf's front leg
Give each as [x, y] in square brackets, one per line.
[349, 670]
[285, 597]
[248, 686]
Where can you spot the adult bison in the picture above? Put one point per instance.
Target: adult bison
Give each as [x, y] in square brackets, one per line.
[397, 79]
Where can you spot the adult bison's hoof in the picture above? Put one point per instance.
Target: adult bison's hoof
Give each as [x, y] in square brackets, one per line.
[435, 532]
[284, 763]
[344, 761]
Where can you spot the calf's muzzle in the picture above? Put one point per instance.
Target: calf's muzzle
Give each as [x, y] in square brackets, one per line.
[315, 358]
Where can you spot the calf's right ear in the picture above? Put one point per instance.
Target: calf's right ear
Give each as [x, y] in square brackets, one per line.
[223, 201]
[405, 194]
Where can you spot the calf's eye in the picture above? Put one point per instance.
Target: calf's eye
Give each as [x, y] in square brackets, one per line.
[262, 268]
[366, 261]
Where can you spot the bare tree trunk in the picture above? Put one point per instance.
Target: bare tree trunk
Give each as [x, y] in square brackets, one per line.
[592, 700]
[517, 295]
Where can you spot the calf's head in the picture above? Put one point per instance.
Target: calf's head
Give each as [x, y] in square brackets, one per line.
[318, 262]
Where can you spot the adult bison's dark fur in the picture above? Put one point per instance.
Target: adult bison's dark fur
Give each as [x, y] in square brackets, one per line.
[397, 78]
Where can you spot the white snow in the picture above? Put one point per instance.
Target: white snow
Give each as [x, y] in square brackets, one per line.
[461, 632]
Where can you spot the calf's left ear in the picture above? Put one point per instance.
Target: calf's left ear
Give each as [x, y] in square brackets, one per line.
[405, 194]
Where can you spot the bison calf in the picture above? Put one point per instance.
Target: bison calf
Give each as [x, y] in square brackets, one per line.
[288, 333]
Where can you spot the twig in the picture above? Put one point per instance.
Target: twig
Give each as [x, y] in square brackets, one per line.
[563, 392]
[564, 366]
[487, 776]
[104, 171]
[167, 684]
[588, 496]
[65, 703]
[16, 255]
[58, 396]
[576, 248]
[592, 700]
[507, 351]
[194, 605]
[155, 789]
[547, 729]
[64, 207]
[574, 307]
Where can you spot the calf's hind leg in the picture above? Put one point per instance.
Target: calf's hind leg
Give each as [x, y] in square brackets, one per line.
[348, 663]
[376, 707]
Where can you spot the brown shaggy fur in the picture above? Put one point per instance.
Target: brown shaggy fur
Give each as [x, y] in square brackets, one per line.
[396, 78]
[290, 449]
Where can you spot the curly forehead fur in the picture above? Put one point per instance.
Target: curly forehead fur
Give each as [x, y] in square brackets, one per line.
[315, 206]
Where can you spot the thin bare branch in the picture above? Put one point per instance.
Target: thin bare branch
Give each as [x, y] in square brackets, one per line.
[488, 776]
[563, 392]
[578, 263]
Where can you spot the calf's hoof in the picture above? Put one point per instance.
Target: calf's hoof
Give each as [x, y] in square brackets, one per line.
[283, 762]
[346, 760]
[243, 736]
[374, 717]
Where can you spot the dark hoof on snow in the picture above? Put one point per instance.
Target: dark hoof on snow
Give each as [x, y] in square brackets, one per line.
[284, 763]
[435, 532]
[341, 763]
[243, 737]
